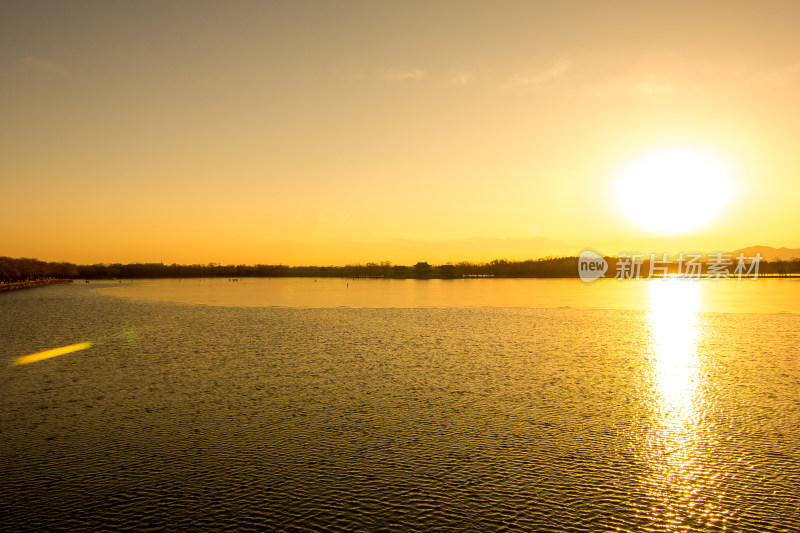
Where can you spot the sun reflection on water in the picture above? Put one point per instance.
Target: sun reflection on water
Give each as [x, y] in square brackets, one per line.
[675, 451]
[673, 320]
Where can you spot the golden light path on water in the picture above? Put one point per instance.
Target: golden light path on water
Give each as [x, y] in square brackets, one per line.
[675, 450]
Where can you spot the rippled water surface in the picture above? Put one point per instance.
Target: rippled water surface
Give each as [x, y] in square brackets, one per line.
[661, 417]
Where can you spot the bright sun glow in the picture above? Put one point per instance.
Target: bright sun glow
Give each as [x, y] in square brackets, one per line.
[673, 191]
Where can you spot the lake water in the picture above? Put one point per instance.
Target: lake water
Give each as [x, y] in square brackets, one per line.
[397, 405]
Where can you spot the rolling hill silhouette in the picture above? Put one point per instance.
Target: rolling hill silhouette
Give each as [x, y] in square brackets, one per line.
[769, 253]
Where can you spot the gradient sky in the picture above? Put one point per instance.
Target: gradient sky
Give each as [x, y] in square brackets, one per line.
[342, 132]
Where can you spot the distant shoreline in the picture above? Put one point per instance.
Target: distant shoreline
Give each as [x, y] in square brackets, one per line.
[704, 277]
[15, 272]
[17, 285]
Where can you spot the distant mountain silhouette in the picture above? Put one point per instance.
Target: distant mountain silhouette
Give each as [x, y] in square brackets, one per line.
[769, 253]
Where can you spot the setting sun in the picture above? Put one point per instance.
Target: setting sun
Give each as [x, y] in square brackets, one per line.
[673, 191]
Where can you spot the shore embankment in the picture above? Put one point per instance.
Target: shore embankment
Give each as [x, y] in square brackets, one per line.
[14, 285]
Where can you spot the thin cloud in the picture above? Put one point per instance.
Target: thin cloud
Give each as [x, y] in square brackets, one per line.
[636, 85]
[414, 75]
[462, 78]
[401, 75]
[782, 77]
[45, 66]
[653, 87]
[544, 78]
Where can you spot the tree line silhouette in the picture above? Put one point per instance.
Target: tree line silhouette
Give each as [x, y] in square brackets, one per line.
[24, 269]
[548, 267]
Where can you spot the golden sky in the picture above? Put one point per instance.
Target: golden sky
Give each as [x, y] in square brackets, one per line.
[341, 132]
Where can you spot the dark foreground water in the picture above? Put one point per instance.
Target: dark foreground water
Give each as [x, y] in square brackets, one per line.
[198, 417]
